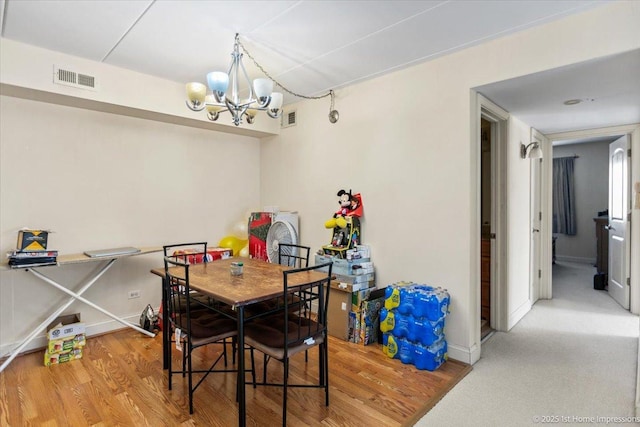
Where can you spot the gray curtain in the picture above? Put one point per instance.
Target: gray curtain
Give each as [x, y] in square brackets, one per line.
[564, 212]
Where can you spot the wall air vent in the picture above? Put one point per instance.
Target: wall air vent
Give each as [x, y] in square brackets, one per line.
[69, 77]
[289, 118]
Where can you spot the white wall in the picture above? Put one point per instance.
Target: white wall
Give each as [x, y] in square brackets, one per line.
[101, 180]
[591, 177]
[403, 141]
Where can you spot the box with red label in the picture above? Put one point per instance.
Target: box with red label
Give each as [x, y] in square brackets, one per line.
[67, 344]
[57, 358]
[259, 224]
[193, 256]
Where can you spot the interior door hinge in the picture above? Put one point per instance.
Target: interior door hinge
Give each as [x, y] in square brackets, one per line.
[539, 216]
[539, 274]
[628, 281]
[629, 152]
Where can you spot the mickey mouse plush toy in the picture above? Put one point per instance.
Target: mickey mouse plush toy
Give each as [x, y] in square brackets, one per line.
[350, 205]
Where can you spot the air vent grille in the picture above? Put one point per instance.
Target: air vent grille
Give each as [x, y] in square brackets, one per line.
[68, 77]
[289, 119]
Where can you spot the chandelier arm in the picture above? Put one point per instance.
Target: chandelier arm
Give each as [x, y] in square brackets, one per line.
[196, 106]
[246, 77]
[273, 115]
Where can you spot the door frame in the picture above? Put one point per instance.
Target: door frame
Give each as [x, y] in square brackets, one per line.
[535, 254]
[546, 241]
[633, 130]
[499, 253]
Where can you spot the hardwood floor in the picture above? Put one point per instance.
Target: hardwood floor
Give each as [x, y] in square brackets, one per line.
[120, 381]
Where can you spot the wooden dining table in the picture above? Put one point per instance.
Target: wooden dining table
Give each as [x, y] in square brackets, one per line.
[260, 281]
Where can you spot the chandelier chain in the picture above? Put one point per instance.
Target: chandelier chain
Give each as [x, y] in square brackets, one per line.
[330, 93]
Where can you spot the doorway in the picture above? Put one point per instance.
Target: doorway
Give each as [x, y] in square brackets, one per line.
[590, 246]
[486, 136]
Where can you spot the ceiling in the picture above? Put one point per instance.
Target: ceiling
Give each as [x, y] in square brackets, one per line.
[313, 46]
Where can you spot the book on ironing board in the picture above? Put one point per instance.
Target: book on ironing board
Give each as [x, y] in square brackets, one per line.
[31, 262]
[31, 254]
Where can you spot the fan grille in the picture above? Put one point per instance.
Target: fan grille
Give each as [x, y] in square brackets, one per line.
[279, 232]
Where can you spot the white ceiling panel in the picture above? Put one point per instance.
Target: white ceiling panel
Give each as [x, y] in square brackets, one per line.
[608, 87]
[313, 46]
[89, 29]
[321, 27]
[184, 40]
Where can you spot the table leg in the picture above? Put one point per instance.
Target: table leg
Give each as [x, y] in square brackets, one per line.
[53, 316]
[166, 339]
[241, 374]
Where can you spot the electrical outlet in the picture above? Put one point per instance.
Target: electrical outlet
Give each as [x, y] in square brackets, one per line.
[134, 294]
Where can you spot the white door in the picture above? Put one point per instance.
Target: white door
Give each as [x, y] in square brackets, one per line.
[618, 216]
[536, 224]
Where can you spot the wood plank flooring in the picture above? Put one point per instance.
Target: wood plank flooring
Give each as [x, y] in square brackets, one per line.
[120, 381]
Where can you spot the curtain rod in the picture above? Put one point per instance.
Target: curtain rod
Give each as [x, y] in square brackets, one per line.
[575, 156]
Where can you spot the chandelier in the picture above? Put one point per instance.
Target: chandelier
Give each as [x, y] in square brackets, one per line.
[220, 98]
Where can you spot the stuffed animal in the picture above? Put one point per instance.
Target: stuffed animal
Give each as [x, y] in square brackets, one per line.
[350, 205]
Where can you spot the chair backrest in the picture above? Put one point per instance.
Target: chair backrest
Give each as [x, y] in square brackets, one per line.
[306, 303]
[177, 293]
[192, 253]
[296, 256]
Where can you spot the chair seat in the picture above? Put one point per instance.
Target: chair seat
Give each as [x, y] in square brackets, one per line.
[267, 335]
[211, 326]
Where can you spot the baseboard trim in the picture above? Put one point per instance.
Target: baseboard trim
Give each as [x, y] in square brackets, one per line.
[40, 342]
[468, 355]
[580, 260]
[518, 314]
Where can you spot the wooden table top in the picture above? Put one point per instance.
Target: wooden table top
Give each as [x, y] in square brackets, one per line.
[260, 280]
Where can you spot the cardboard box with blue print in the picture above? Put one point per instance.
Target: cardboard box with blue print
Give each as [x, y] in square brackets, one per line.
[65, 326]
[342, 266]
[66, 340]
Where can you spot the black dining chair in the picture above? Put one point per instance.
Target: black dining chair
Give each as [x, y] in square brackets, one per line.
[292, 330]
[194, 325]
[196, 253]
[296, 256]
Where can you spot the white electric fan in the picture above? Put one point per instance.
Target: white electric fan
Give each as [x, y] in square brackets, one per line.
[280, 232]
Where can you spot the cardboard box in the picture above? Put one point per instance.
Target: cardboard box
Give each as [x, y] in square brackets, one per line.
[370, 320]
[341, 266]
[338, 311]
[65, 326]
[213, 254]
[343, 316]
[359, 296]
[32, 240]
[67, 344]
[354, 327]
[354, 278]
[352, 287]
[57, 358]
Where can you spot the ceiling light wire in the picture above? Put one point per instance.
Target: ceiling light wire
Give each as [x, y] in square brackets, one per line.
[333, 114]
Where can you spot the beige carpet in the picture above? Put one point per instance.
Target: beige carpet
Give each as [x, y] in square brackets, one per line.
[569, 359]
